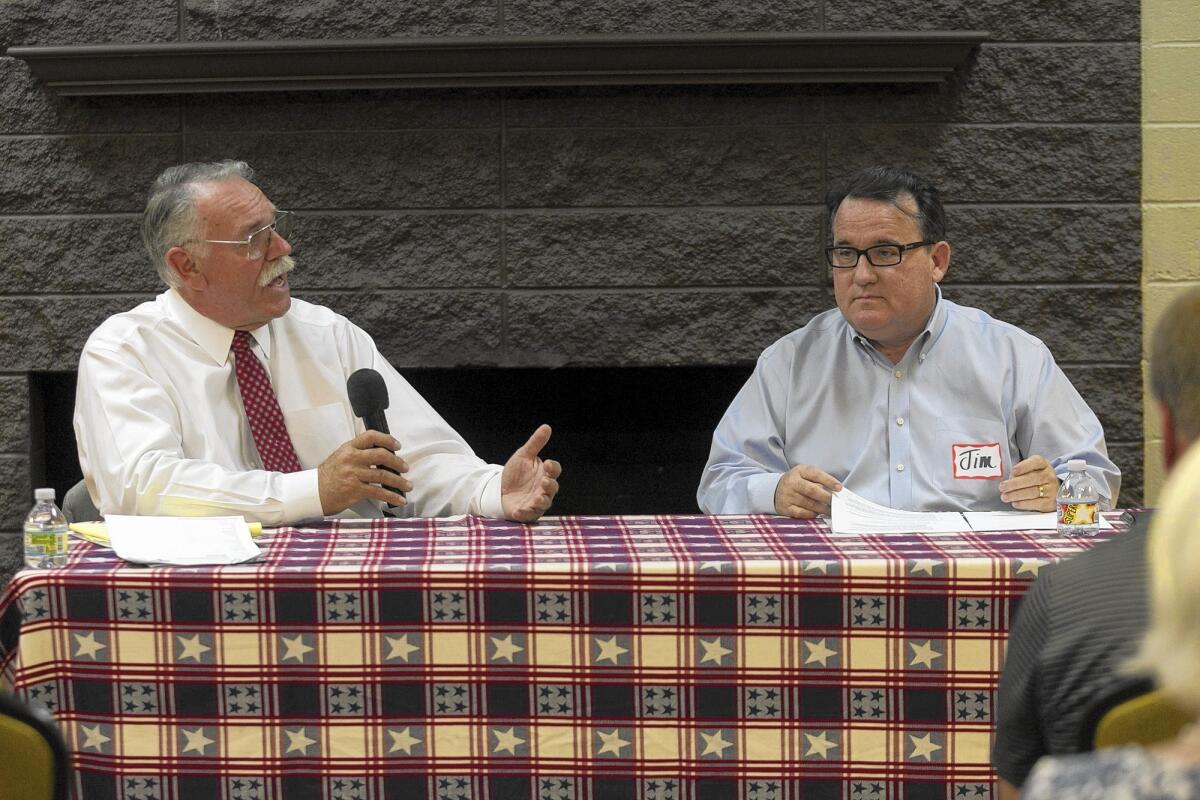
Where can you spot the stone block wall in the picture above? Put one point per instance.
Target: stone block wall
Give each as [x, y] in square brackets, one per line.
[635, 226]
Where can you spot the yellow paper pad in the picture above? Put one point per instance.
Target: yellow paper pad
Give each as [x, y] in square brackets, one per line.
[97, 532]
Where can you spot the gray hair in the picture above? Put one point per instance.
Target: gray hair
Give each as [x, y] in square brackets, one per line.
[1175, 363]
[170, 216]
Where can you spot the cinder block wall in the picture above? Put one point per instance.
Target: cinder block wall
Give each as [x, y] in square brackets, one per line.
[1170, 180]
[617, 226]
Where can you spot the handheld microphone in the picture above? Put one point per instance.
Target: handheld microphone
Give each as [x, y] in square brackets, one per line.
[369, 399]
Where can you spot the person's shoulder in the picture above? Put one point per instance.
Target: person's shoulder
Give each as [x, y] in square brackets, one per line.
[127, 326]
[985, 327]
[818, 331]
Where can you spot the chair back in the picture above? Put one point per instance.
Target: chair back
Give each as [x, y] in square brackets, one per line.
[34, 764]
[1132, 713]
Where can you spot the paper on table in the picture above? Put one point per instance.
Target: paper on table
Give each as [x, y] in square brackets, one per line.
[181, 540]
[854, 514]
[1016, 520]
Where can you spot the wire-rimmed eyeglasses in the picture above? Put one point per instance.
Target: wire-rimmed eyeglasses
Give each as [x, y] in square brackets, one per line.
[258, 242]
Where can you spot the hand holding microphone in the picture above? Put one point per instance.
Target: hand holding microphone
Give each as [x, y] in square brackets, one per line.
[366, 466]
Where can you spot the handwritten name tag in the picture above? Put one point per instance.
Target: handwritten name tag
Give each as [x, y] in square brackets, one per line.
[977, 461]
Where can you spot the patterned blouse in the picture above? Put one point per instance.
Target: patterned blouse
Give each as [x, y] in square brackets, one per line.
[1121, 773]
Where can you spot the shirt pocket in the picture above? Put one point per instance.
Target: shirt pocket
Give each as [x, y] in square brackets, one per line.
[317, 432]
[972, 455]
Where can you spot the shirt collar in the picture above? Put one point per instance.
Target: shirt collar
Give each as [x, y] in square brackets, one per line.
[934, 327]
[213, 337]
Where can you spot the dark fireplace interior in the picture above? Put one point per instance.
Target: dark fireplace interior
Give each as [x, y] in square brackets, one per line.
[632, 440]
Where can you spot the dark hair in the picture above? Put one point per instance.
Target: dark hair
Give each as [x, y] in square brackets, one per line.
[892, 185]
[1175, 362]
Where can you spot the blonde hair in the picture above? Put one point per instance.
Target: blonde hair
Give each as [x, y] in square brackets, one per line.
[1171, 647]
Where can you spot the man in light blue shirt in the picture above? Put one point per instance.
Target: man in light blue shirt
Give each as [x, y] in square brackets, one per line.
[910, 400]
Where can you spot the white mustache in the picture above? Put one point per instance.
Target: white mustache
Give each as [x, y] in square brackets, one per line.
[280, 266]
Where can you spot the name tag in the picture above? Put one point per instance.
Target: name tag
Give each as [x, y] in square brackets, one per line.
[978, 461]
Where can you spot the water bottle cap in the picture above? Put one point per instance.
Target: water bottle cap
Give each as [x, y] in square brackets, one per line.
[1076, 465]
[43, 494]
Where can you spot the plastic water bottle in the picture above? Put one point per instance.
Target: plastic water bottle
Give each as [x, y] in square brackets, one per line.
[1078, 501]
[45, 533]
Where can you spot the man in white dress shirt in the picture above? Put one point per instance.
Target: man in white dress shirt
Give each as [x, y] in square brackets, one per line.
[159, 415]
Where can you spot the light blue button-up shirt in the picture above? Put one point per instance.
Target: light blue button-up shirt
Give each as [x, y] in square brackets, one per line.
[902, 434]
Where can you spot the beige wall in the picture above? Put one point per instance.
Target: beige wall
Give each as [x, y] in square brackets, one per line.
[1170, 179]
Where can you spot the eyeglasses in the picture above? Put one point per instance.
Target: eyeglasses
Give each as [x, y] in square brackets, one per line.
[258, 242]
[880, 255]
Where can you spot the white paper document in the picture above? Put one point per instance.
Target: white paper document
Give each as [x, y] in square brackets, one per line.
[855, 514]
[187, 541]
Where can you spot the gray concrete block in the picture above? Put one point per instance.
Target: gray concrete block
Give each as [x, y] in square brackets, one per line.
[653, 327]
[16, 496]
[48, 333]
[661, 16]
[658, 106]
[1093, 82]
[1063, 164]
[663, 167]
[424, 329]
[88, 174]
[1128, 458]
[88, 21]
[27, 106]
[1114, 393]
[11, 553]
[402, 169]
[396, 109]
[1027, 244]
[14, 415]
[1094, 323]
[1006, 20]
[396, 251]
[333, 19]
[74, 254]
[678, 247]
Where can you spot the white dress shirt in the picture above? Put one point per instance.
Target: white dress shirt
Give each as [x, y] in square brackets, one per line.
[905, 435]
[161, 429]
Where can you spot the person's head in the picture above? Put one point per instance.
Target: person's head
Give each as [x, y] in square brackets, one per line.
[890, 300]
[208, 230]
[1175, 374]
[1171, 648]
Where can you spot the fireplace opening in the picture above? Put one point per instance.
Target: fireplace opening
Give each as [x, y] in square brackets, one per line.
[632, 440]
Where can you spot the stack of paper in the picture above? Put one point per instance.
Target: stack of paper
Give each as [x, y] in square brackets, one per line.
[852, 513]
[188, 541]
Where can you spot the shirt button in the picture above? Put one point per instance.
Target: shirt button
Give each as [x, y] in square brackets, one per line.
[899, 420]
[899, 373]
[922, 358]
[899, 468]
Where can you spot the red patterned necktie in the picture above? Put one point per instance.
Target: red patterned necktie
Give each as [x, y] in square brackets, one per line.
[262, 409]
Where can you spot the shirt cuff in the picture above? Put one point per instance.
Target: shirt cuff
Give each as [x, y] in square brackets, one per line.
[760, 491]
[488, 498]
[301, 496]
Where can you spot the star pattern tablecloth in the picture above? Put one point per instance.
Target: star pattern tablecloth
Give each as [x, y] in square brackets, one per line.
[581, 658]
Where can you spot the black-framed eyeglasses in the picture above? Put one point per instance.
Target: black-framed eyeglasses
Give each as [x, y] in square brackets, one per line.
[880, 255]
[258, 242]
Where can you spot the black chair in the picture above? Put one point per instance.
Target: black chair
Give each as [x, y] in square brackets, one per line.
[34, 764]
[77, 505]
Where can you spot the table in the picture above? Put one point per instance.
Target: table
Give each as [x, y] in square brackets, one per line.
[601, 658]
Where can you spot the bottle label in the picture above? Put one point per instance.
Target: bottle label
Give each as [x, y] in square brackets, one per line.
[1077, 513]
[48, 542]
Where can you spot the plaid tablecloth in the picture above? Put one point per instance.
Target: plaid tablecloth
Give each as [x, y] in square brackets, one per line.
[582, 658]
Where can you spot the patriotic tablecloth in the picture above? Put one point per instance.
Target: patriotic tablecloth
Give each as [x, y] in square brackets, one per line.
[582, 658]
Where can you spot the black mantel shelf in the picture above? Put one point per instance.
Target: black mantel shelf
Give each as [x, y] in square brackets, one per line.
[243, 66]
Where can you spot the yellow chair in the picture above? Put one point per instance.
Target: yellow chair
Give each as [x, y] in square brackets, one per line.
[34, 764]
[1133, 714]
